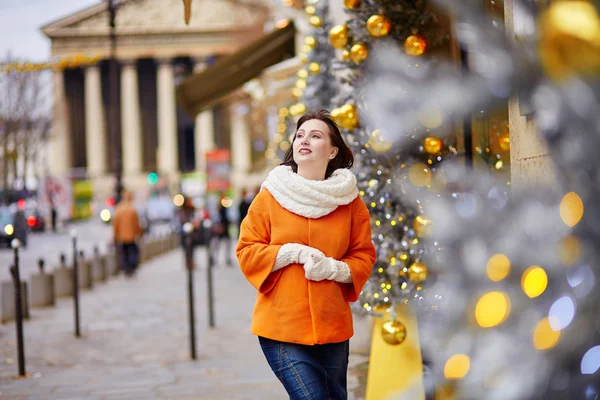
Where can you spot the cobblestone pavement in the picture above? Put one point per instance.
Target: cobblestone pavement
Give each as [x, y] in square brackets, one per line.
[135, 342]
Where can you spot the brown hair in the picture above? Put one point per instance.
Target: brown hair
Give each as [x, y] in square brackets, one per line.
[344, 157]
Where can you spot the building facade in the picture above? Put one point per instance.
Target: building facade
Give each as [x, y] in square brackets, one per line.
[155, 50]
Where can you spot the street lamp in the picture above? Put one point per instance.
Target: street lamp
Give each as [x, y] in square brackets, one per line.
[113, 90]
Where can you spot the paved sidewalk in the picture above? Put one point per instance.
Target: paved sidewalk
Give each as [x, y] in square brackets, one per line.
[135, 342]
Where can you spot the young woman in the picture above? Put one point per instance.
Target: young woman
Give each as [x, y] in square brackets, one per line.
[306, 247]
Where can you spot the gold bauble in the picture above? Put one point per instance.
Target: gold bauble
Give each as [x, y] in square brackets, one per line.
[338, 36]
[316, 21]
[417, 272]
[393, 332]
[422, 226]
[419, 175]
[336, 116]
[377, 143]
[302, 73]
[349, 116]
[570, 39]
[314, 67]
[300, 108]
[301, 84]
[378, 25]
[504, 141]
[352, 4]
[359, 53]
[310, 10]
[345, 55]
[310, 41]
[303, 57]
[297, 92]
[415, 45]
[433, 145]
[306, 48]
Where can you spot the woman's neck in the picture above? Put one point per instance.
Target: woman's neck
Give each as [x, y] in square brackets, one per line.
[313, 174]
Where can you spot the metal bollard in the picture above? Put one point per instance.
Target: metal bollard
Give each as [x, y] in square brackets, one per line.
[14, 270]
[98, 268]
[85, 272]
[75, 283]
[209, 277]
[188, 228]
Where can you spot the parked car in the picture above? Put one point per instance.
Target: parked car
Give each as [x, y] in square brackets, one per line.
[13, 225]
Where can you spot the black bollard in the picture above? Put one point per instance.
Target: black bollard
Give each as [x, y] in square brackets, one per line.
[14, 270]
[41, 265]
[63, 260]
[189, 264]
[209, 277]
[75, 284]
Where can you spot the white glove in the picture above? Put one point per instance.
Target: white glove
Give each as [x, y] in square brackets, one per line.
[294, 253]
[319, 268]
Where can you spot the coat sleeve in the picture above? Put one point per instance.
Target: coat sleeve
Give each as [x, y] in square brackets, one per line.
[255, 253]
[361, 255]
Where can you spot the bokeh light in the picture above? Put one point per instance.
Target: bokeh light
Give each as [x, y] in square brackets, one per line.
[457, 366]
[544, 337]
[534, 281]
[571, 209]
[498, 267]
[492, 309]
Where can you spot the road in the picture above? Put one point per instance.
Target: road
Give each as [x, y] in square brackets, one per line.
[49, 246]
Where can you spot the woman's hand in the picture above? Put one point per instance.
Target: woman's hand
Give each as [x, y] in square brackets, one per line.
[319, 268]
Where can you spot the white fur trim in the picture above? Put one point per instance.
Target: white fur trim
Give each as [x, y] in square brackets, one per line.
[308, 198]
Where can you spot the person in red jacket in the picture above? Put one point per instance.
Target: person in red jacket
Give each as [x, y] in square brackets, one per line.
[306, 246]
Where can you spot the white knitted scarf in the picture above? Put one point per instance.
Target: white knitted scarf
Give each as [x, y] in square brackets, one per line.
[308, 198]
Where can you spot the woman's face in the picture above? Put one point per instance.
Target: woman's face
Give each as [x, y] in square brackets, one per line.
[312, 145]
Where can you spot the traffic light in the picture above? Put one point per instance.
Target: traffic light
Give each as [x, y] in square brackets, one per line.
[152, 178]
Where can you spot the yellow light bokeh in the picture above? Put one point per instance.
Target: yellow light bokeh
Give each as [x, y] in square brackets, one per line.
[571, 209]
[178, 200]
[498, 267]
[569, 250]
[544, 337]
[534, 281]
[492, 309]
[457, 366]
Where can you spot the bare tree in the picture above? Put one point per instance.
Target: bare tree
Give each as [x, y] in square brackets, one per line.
[24, 115]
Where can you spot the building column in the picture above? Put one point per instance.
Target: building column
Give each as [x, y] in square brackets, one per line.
[241, 157]
[95, 131]
[204, 131]
[167, 156]
[59, 157]
[131, 126]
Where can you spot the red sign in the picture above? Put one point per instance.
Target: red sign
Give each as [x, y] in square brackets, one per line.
[218, 170]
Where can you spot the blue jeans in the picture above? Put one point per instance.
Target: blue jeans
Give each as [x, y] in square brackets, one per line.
[309, 372]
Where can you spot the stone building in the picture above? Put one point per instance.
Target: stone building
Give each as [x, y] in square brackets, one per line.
[155, 51]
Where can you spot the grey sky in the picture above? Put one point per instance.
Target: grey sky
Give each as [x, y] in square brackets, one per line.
[20, 22]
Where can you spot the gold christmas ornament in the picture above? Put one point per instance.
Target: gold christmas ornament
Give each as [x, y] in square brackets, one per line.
[338, 36]
[359, 53]
[306, 49]
[377, 143]
[316, 21]
[570, 39]
[345, 55]
[419, 175]
[393, 332]
[314, 67]
[352, 4]
[378, 25]
[504, 141]
[415, 45]
[301, 84]
[187, 11]
[336, 115]
[417, 272]
[303, 57]
[310, 10]
[297, 92]
[302, 73]
[422, 226]
[349, 116]
[433, 145]
[310, 41]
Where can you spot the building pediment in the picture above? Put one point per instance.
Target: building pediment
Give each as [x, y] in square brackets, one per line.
[161, 16]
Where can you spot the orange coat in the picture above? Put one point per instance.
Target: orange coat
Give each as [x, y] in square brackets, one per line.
[290, 308]
[126, 223]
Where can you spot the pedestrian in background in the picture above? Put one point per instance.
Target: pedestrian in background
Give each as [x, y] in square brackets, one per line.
[306, 246]
[243, 207]
[221, 233]
[126, 231]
